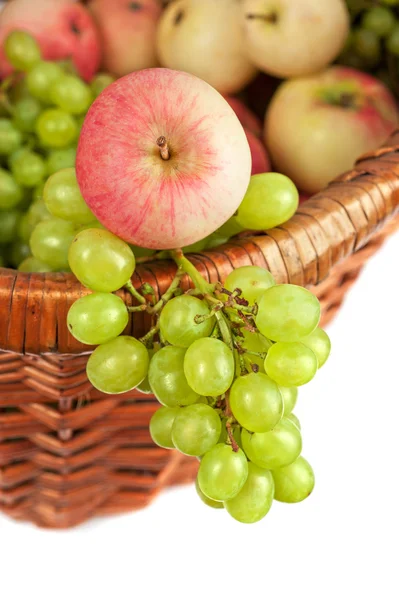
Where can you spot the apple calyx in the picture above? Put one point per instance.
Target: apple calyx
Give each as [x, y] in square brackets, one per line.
[269, 18]
[163, 147]
[344, 98]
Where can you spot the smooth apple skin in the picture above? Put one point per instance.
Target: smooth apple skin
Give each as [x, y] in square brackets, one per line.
[205, 38]
[128, 33]
[260, 158]
[64, 29]
[301, 37]
[142, 198]
[313, 141]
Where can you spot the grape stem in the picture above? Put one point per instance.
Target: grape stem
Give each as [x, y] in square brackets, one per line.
[130, 287]
[169, 293]
[150, 334]
[188, 267]
[6, 104]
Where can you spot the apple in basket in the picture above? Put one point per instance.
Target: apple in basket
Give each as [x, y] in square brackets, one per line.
[127, 30]
[162, 160]
[316, 127]
[64, 29]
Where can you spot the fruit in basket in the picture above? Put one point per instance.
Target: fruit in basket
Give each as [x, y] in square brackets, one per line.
[290, 39]
[316, 127]
[181, 170]
[127, 30]
[63, 29]
[205, 39]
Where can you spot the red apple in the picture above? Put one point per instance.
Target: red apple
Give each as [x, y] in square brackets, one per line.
[128, 31]
[303, 197]
[316, 127]
[260, 159]
[162, 159]
[246, 117]
[64, 29]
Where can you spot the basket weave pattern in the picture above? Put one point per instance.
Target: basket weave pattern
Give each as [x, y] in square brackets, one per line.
[68, 452]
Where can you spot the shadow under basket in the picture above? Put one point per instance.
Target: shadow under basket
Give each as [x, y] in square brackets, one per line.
[68, 452]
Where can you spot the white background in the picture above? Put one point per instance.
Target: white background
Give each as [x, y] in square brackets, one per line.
[340, 544]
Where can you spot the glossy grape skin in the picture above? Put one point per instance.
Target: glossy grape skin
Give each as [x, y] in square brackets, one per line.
[41, 77]
[196, 429]
[10, 191]
[26, 112]
[271, 199]
[209, 367]
[37, 212]
[167, 379]
[63, 198]
[100, 82]
[290, 397]
[320, 343]
[71, 94]
[291, 365]
[205, 499]
[32, 265]
[295, 482]
[56, 128]
[9, 222]
[10, 137]
[28, 169]
[231, 228]
[274, 449]
[144, 387]
[294, 419]
[118, 366]
[236, 431]
[63, 158]
[50, 242]
[177, 321]
[256, 402]
[287, 313]
[222, 473]
[100, 260]
[252, 281]
[255, 342]
[22, 50]
[161, 424]
[255, 499]
[97, 318]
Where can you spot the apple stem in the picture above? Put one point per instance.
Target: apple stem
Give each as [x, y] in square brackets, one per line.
[270, 18]
[163, 147]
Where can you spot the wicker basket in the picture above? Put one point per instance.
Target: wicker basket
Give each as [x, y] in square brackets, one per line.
[68, 452]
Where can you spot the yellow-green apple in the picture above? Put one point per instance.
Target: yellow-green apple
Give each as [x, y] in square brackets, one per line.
[317, 126]
[64, 29]
[205, 38]
[246, 117]
[162, 159]
[260, 158]
[291, 38]
[127, 30]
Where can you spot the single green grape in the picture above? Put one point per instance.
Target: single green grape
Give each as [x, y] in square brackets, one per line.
[9, 222]
[367, 44]
[71, 94]
[118, 366]
[97, 318]
[63, 198]
[100, 260]
[28, 168]
[295, 482]
[50, 242]
[56, 128]
[291, 364]
[209, 367]
[256, 402]
[294, 419]
[10, 191]
[205, 499]
[287, 313]
[167, 379]
[22, 50]
[379, 20]
[18, 252]
[392, 42]
[222, 472]
[274, 449]
[320, 343]
[215, 240]
[140, 252]
[32, 265]
[271, 199]
[252, 281]
[26, 113]
[63, 158]
[196, 429]
[161, 424]
[100, 82]
[290, 397]
[10, 137]
[37, 212]
[40, 79]
[255, 499]
[231, 228]
[177, 321]
[144, 387]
